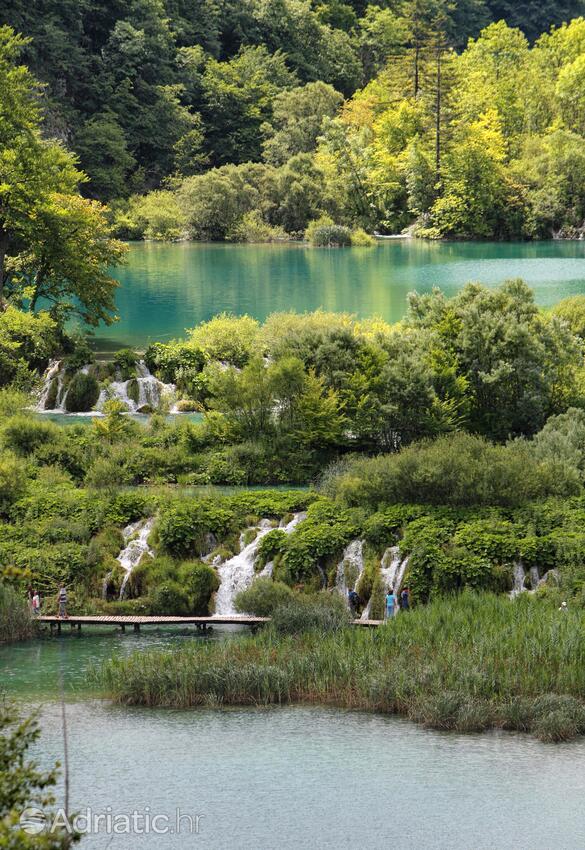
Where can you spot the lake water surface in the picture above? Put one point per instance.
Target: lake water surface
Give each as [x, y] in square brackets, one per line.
[167, 288]
[292, 778]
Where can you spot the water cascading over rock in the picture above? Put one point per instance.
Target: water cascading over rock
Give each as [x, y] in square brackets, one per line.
[350, 567]
[392, 571]
[142, 393]
[133, 551]
[238, 573]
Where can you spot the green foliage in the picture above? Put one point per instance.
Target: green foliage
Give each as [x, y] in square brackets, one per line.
[323, 233]
[230, 339]
[16, 622]
[199, 581]
[24, 434]
[263, 597]
[23, 784]
[12, 480]
[454, 470]
[467, 663]
[82, 393]
[170, 598]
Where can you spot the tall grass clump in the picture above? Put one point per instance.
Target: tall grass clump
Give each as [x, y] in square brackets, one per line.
[16, 622]
[465, 663]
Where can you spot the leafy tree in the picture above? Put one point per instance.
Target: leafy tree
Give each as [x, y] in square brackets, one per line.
[23, 785]
[519, 366]
[103, 153]
[238, 96]
[297, 119]
[68, 257]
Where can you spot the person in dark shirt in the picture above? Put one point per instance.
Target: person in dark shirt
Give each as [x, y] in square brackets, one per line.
[405, 599]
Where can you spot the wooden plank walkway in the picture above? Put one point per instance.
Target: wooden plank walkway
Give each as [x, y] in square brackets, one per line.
[202, 623]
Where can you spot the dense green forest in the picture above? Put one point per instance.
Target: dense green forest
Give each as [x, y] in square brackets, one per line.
[248, 120]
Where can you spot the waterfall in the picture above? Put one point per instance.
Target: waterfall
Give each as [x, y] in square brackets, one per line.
[238, 573]
[519, 574]
[135, 548]
[52, 373]
[534, 578]
[353, 556]
[392, 570]
[150, 391]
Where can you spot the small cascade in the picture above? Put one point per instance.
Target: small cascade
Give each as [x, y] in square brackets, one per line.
[392, 570]
[135, 548]
[353, 556]
[52, 398]
[238, 573]
[142, 393]
[534, 578]
[519, 576]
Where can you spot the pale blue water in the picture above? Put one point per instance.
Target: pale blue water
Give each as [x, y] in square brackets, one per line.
[291, 778]
[166, 288]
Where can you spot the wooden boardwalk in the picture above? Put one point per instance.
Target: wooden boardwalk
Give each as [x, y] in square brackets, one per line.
[202, 623]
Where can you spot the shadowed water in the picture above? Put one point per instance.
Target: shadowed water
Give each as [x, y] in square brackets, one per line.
[167, 288]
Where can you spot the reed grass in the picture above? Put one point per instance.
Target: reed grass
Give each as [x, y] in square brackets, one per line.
[16, 622]
[466, 663]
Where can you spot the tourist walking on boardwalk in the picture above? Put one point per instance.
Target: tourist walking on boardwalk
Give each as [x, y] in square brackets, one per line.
[36, 603]
[62, 600]
[390, 603]
[405, 599]
[353, 601]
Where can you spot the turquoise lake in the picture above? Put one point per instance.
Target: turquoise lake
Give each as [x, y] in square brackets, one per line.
[166, 288]
[289, 778]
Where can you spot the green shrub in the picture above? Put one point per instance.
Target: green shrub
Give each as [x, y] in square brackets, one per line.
[170, 599]
[200, 582]
[361, 239]
[230, 339]
[12, 480]
[174, 361]
[329, 236]
[25, 434]
[82, 393]
[263, 597]
[125, 361]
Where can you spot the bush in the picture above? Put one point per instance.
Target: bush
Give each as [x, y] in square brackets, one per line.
[199, 581]
[25, 434]
[82, 393]
[12, 480]
[172, 361]
[263, 597]
[323, 233]
[457, 469]
[170, 599]
[361, 239]
[125, 361]
[230, 339]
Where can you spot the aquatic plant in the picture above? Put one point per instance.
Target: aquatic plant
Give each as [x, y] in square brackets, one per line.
[16, 622]
[463, 663]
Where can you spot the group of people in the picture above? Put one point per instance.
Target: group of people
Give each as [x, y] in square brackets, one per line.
[397, 602]
[34, 601]
[394, 601]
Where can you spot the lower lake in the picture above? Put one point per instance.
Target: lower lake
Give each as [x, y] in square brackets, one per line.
[166, 288]
[289, 778]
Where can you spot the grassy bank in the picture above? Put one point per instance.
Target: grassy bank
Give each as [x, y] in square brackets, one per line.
[16, 622]
[467, 664]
